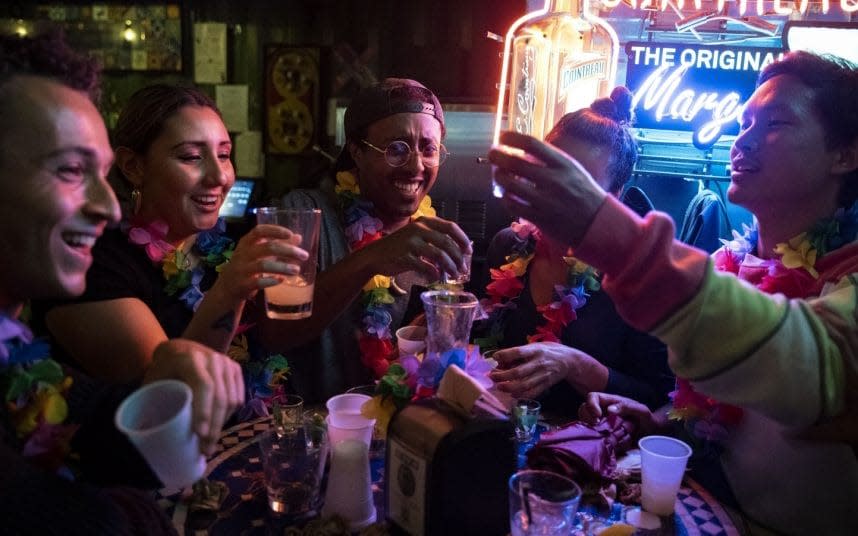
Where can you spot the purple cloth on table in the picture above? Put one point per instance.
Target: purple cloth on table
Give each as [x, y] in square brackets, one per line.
[584, 453]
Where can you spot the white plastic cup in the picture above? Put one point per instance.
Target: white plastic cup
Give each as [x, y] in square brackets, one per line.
[663, 461]
[355, 431]
[157, 420]
[344, 410]
[411, 340]
[349, 492]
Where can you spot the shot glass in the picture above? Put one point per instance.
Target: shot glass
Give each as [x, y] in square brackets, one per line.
[663, 461]
[287, 412]
[465, 275]
[449, 316]
[542, 502]
[293, 297]
[525, 415]
[498, 190]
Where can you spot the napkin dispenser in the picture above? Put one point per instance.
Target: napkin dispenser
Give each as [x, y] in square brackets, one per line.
[446, 472]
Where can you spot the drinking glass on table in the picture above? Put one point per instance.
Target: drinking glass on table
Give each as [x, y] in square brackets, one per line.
[542, 502]
[293, 465]
[292, 298]
[525, 415]
[287, 413]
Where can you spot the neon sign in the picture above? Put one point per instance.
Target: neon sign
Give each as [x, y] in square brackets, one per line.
[693, 87]
[760, 7]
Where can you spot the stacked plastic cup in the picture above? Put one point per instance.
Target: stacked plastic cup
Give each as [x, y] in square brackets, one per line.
[349, 492]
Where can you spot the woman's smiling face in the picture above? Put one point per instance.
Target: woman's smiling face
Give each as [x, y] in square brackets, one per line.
[186, 172]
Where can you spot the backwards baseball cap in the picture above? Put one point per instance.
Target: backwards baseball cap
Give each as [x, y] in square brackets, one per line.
[388, 97]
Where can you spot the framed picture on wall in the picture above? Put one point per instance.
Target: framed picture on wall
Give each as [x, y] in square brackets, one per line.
[291, 99]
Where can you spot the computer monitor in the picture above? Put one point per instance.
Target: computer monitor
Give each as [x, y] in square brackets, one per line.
[238, 199]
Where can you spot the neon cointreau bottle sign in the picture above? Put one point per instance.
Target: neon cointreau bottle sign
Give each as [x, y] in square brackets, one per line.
[694, 88]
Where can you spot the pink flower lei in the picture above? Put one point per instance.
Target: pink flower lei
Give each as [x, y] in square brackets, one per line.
[183, 271]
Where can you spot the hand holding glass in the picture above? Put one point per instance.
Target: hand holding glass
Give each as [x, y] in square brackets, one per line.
[157, 420]
[464, 275]
[292, 298]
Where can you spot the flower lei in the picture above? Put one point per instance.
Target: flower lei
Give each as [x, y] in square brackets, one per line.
[184, 270]
[33, 387]
[362, 228]
[793, 274]
[508, 283]
[413, 378]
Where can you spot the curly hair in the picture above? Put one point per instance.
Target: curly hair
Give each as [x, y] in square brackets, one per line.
[606, 123]
[834, 83]
[49, 56]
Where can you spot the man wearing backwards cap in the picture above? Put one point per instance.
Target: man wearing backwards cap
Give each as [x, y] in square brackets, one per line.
[393, 152]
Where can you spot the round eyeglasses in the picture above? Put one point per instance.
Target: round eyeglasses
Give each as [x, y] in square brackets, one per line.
[398, 153]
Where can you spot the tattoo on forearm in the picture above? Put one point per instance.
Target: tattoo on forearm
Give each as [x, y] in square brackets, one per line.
[225, 323]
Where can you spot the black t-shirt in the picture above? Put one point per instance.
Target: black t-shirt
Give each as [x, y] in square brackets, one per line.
[121, 269]
[636, 361]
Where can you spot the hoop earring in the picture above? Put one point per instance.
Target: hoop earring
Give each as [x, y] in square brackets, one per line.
[136, 199]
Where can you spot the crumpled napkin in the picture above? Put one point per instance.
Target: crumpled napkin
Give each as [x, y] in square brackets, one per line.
[586, 454]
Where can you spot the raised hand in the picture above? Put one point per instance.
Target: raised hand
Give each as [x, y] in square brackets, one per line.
[262, 254]
[215, 380]
[550, 189]
[427, 245]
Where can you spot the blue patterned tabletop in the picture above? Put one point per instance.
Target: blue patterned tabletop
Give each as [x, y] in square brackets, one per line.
[244, 510]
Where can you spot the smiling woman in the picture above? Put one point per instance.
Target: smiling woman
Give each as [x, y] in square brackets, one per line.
[168, 270]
